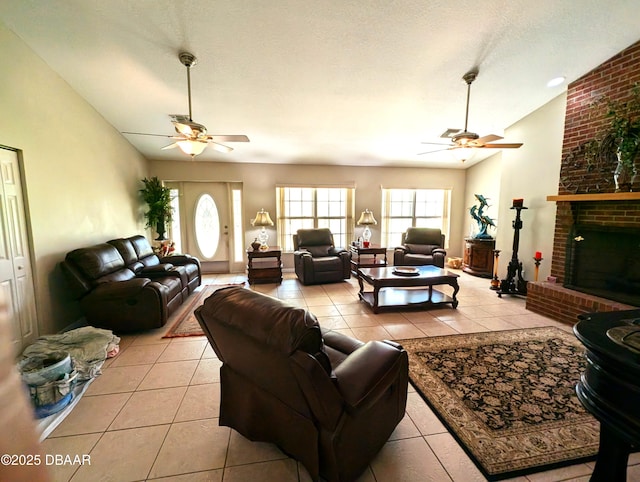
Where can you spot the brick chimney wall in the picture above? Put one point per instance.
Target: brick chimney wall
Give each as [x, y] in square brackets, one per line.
[584, 122]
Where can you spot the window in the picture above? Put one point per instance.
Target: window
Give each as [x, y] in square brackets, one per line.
[422, 208]
[207, 226]
[314, 207]
[175, 232]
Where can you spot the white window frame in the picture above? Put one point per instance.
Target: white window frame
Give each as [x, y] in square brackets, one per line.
[401, 209]
[299, 207]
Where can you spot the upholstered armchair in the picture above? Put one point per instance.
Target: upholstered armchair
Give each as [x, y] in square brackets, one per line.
[317, 260]
[328, 400]
[420, 246]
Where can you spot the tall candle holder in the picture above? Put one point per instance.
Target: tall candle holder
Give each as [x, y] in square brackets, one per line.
[495, 281]
[510, 285]
[537, 261]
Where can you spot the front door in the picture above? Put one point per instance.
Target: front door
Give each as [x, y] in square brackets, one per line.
[209, 222]
[16, 278]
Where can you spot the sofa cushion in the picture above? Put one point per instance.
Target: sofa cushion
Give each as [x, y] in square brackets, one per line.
[423, 236]
[421, 248]
[314, 237]
[97, 261]
[317, 251]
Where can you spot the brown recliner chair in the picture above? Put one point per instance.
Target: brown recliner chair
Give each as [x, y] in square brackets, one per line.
[325, 399]
[317, 260]
[420, 246]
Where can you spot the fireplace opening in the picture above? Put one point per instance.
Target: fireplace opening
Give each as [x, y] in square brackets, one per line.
[604, 261]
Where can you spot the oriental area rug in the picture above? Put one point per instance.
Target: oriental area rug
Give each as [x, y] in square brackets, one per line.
[183, 322]
[508, 397]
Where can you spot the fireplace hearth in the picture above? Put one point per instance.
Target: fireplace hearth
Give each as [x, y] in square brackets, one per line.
[604, 261]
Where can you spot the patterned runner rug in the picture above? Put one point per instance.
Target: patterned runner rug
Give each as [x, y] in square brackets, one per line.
[508, 397]
[183, 322]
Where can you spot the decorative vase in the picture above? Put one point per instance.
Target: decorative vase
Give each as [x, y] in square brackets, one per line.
[160, 230]
[624, 175]
[256, 244]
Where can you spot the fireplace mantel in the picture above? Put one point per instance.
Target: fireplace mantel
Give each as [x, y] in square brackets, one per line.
[607, 196]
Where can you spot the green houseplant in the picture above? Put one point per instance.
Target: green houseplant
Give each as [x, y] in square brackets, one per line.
[623, 137]
[158, 199]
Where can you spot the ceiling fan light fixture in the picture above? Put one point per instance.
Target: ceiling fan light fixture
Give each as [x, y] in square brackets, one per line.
[192, 148]
[463, 154]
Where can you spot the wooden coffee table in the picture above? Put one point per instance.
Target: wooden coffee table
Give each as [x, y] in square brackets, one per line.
[393, 291]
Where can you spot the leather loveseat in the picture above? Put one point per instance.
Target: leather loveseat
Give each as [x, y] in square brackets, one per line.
[316, 259]
[420, 246]
[129, 295]
[329, 401]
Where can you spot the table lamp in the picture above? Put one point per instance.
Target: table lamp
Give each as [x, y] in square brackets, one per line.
[366, 220]
[262, 219]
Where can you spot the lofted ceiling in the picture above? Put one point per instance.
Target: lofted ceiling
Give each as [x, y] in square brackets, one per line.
[321, 81]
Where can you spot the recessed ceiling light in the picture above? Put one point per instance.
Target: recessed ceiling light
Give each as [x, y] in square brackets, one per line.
[556, 81]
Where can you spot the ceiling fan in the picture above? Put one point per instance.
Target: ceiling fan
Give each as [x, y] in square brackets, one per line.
[191, 137]
[462, 138]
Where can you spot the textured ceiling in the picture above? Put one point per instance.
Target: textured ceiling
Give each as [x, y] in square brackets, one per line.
[322, 81]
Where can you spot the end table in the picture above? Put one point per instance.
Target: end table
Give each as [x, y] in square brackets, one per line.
[265, 266]
[362, 257]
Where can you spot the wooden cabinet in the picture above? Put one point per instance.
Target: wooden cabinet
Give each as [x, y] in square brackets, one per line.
[264, 266]
[478, 257]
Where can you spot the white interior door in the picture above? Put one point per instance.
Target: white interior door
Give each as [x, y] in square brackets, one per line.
[16, 278]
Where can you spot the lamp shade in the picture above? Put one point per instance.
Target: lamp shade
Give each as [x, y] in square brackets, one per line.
[262, 219]
[193, 148]
[366, 218]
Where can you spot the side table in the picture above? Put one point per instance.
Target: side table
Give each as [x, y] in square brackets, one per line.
[265, 266]
[362, 257]
[609, 388]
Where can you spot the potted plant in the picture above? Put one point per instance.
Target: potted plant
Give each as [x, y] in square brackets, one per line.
[623, 137]
[158, 199]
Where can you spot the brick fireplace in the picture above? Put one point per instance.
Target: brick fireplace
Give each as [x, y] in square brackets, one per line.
[586, 194]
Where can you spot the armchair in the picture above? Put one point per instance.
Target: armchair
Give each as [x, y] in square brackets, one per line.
[420, 246]
[317, 260]
[327, 400]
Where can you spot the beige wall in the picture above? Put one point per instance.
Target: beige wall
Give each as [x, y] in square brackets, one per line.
[81, 175]
[530, 172]
[260, 180]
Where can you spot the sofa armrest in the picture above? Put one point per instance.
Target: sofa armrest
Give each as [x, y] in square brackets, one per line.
[439, 251]
[367, 373]
[163, 268]
[179, 259]
[333, 251]
[340, 342]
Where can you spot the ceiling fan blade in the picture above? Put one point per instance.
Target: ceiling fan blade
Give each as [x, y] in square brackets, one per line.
[438, 150]
[145, 134]
[487, 138]
[220, 147]
[437, 143]
[228, 138]
[170, 146]
[450, 133]
[514, 145]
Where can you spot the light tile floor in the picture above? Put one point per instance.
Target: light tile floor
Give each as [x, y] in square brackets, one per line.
[152, 414]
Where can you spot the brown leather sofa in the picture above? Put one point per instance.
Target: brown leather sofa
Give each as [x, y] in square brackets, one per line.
[327, 400]
[420, 246]
[316, 259]
[123, 296]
